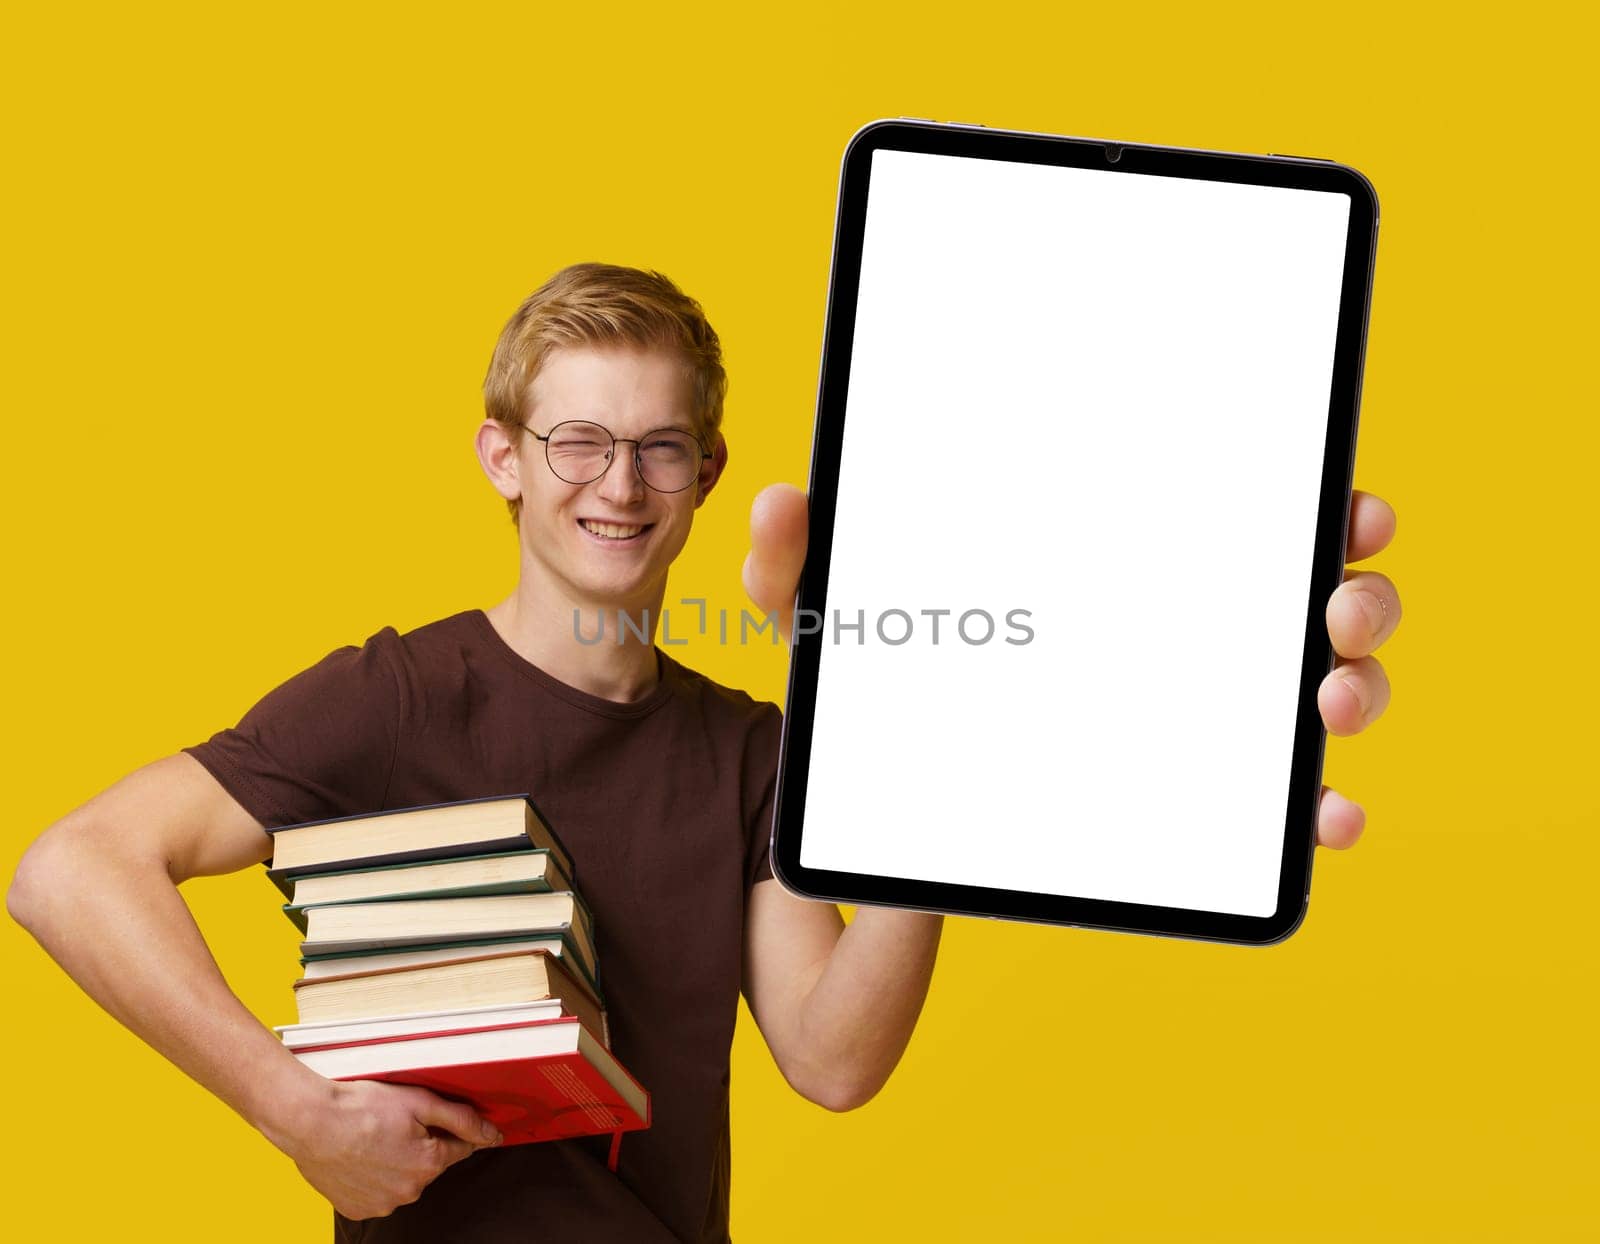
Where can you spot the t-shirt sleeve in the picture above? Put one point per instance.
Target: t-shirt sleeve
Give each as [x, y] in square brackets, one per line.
[322, 745]
[760, 785]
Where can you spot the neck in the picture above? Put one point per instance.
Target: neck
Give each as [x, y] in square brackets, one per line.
[580, 641]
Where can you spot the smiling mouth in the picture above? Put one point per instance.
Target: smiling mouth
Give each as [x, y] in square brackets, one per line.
[619, 533]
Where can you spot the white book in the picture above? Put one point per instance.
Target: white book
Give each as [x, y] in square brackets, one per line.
[344, 965]
[336, 1032]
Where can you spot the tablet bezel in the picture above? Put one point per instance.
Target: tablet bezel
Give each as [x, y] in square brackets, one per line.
[1327, 559]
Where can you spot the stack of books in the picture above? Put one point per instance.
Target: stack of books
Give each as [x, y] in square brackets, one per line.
[446, 947]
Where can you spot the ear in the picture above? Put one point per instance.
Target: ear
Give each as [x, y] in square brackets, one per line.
[499, 459]
[711, 471]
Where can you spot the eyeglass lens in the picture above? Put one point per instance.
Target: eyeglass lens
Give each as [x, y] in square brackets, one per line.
[579, 453]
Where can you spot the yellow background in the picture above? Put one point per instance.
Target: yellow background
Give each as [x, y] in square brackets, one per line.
[256, 258]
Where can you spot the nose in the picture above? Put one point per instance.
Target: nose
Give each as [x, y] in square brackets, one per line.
[621, 484]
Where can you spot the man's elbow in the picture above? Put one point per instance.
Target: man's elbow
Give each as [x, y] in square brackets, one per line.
[31, 884]
[49, 869]
[845, 1099]
[840, 1093]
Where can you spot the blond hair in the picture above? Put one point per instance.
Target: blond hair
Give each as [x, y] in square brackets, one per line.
[598, 304]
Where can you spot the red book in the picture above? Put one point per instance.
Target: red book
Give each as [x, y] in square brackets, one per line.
[544, 1080]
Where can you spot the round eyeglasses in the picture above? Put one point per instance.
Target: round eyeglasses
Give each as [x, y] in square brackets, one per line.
[668, 459]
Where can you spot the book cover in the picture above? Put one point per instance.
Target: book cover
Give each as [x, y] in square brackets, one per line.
[344, 927]
[510, 977]
[283, 878]
[421, 1023]
[321, 965]
[382, 880]
[544, 1080]
[538, 885]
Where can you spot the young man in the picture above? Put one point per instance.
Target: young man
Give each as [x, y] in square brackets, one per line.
[604, 404]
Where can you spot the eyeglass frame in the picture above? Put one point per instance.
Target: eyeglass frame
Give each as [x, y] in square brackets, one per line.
[636, 442]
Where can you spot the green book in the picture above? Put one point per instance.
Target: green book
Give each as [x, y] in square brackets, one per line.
[506, 872]
[561, 944]
[333, 928]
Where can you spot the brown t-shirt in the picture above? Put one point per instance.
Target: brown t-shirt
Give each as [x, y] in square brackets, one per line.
[665, 805]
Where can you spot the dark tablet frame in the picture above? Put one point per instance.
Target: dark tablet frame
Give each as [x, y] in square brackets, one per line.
[1326, 571]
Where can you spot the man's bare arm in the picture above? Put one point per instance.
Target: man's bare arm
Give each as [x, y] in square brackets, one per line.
[836, 1004]
[99, 891]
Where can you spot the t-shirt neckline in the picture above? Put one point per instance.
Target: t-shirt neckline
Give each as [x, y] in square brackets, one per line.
[600, 706]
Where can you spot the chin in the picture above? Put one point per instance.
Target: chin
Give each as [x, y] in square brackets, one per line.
[614, 593]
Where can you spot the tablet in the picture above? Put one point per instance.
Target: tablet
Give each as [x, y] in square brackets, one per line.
[1079, 492]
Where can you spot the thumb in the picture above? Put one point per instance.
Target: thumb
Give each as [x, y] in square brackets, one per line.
[457, 1118]
[447, 1150]
[778, 535]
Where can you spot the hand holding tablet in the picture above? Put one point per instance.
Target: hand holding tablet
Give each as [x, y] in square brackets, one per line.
[1096, 418]
[1352, 696]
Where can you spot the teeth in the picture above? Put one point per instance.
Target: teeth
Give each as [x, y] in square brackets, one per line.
[614, 531]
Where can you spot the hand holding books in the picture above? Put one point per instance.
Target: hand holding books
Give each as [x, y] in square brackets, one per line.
[447, 952]
[370, 1148]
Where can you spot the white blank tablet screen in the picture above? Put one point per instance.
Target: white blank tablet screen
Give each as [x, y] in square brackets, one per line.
[1100, 398]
